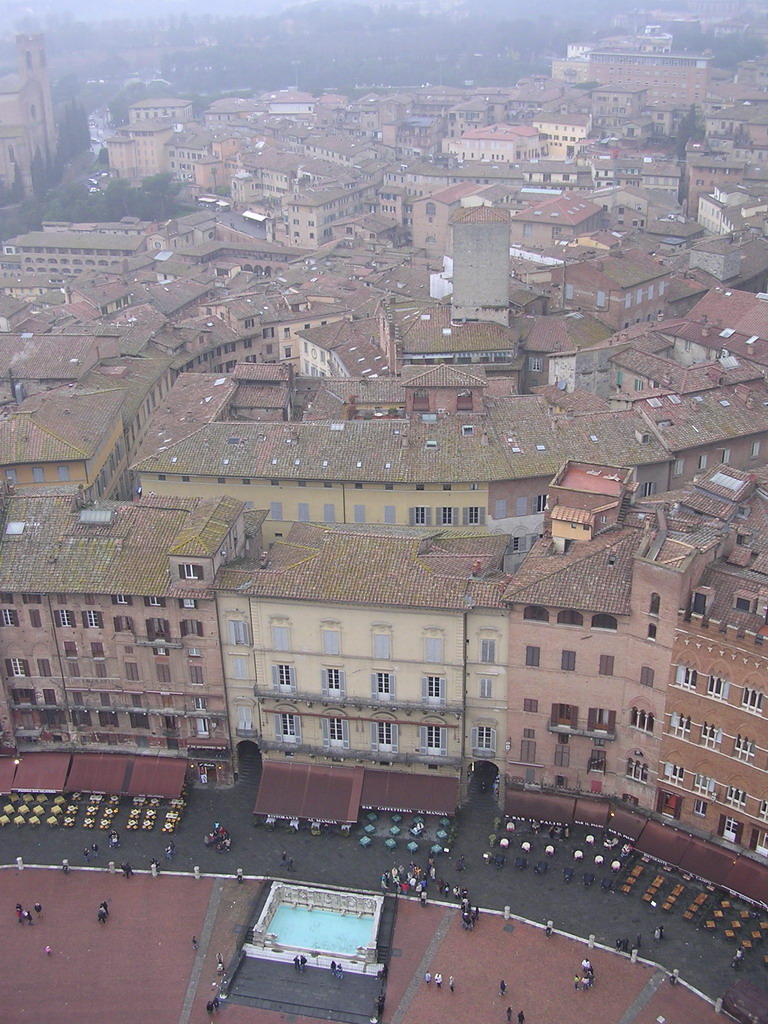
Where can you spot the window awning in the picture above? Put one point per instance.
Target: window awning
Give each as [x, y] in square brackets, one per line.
[554, 810]
[749, 879]
[157, 776]
[591, 812]
[746, 1003]
[663, 843]
[312, 792]
[100, 773]
[7, 772]
[406, 791]
[707, 861]
[42, 773]
[626, 824]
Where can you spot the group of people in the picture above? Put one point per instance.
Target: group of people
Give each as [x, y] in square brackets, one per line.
[103, 912]
[219, 838]
[586, 979]
[25, 916]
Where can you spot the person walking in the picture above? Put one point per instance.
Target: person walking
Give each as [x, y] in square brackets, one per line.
[576, 982]
[302, 963]
[509, 1015]
[39, 910]
[194, 942]
[48, 950]
[95, 851]
[427, 977]
[170, 850]
[521, 1018]
[101, 915]
[439, 980]
[502, 987]
[451, 983]
[126, 868]
[86, 854]
[105, 907]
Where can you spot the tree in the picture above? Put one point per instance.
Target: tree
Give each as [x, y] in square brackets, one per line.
[38, 175]
[690, 127]
[160, 189]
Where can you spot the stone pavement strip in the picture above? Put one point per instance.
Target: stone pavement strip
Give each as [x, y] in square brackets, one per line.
[202, 948]
[642, 1000]
[440, 933]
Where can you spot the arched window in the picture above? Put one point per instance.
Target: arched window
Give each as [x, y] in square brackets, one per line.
[655, 605]
[651, 630]
[602, 621]
[536, 613]
[569, 617]
[637, 770]
[641, 719]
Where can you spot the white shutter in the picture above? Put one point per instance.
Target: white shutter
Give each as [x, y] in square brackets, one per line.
[674, 720]
[443, 742]
[442, 691]
[342, 683]
[292, 677]
[326, 728]
[422, 739]
[394, 738]
[374, 736]
[275, 678]
[324, 681]
[297, 723]
[473, 740]
[244, 717]
[278, 727]
[493, 740]
[425, 688]
[374, 686]
[345, 733]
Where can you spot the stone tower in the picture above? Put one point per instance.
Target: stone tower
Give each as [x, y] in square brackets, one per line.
[480, 264]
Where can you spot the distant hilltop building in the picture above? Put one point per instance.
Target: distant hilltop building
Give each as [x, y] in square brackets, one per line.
[26, 113]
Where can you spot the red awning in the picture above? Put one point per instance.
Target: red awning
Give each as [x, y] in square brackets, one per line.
[100, 773]
[42, 773]
[7, 772]
[746, 1003]
[749, 879]
[405, 791]
[623, 823]
[157, 776]
[591, 812]
[663, 843]
[310, 791]
[546, 807]
[707, 861]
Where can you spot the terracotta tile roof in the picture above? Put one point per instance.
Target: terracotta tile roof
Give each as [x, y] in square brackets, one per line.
[206, 527]
[565, 209]
[431, 331]
[194, 399]
[57, 553]
[444, 376]
[379, 567]
[593, 575]
[480, 215]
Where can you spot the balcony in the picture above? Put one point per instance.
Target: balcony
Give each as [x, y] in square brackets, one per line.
[350, 754]
[348, 700]
[567, 730]
[247, 734]
[28, 734]
[157, 641]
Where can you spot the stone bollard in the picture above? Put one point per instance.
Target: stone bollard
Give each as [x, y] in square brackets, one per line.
[65, 866]
[111, 867]
[197, 871]
[633, 955]
[719, 1004]
[591, 942]
[507, 913]
[153, 869]
[20, 863]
